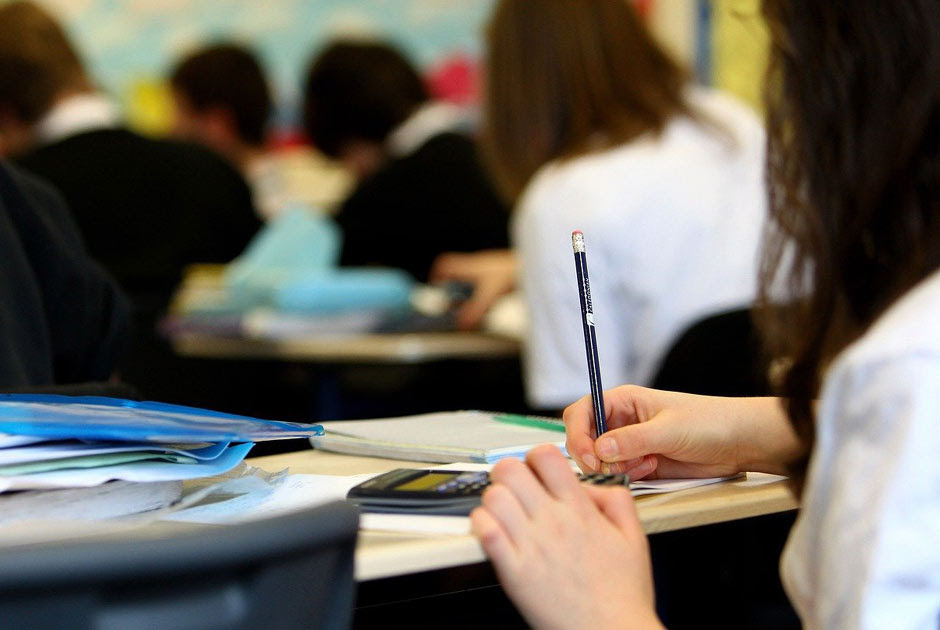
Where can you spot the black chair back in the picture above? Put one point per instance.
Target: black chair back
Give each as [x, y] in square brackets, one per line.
[293, 571]
[719, 355]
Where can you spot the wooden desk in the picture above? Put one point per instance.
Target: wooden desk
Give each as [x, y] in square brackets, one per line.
[359, 348]
[448, 574]
[385, 554]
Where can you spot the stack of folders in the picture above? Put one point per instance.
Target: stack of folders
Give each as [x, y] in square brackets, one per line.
[78, 457]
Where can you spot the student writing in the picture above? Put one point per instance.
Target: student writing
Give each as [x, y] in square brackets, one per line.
[854, 111]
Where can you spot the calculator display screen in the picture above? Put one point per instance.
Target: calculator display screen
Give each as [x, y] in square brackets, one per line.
[425, 481]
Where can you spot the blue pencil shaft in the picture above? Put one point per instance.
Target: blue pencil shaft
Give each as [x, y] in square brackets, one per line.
[590, 334]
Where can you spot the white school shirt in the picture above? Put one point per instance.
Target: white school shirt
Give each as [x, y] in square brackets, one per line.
[77, 114]
[865, 550]
[671, 226]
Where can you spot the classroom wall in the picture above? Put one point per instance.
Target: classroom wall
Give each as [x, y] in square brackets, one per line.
[131, 44]
[723, 42]
[739, 48]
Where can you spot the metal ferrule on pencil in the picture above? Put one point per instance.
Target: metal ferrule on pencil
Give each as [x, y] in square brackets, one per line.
[577, 242]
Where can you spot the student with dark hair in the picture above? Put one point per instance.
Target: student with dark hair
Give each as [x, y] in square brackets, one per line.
[854, 127]
[62, 320]
[223, 101]
[225, 79]
[421, 190]
[145, 208]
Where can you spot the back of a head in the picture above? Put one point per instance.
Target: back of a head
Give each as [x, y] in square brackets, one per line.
[853, 102]
[227, 76]
[359, 91]
[37, 61]
[565, 77]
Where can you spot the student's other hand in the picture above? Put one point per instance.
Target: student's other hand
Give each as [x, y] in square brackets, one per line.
[658, 434]
[568, 555]
[491, 272]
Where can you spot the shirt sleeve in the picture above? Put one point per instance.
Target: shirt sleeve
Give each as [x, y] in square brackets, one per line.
[869, 547]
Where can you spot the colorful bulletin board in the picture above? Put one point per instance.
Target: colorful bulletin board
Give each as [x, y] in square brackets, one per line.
[130, 45]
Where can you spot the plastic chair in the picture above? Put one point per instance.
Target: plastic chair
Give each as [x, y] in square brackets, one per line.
[294, 571]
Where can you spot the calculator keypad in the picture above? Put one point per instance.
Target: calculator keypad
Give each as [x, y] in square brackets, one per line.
[466, 484]
[472, 483]
[598, 479]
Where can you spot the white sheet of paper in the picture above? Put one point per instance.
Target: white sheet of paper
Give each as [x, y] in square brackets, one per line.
[660, 486]
[7, 440]
[416, 524]
[637, 488]
[256, 499]
[135, 471]
[46, 452]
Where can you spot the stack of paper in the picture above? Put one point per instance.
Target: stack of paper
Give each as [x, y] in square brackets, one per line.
[257, 497]
[51, 442]
[67, 463]
[456, 436]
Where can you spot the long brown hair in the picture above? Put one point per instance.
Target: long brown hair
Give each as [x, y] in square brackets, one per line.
[853, 97]
[565, 77]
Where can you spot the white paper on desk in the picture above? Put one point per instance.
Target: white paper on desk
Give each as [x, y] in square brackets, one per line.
[48, 452]
[660, 486]
[637, 488]
[252, 498]
[135, 471]
[255, 498]
[416, 524]
[8, 441]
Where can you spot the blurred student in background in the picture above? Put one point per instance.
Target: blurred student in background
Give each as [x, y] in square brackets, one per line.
[606, 134]
[62, 319]
[145, 208]
[421, 189]
[223, 101]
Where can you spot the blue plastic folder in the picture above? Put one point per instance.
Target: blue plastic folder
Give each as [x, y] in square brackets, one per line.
[99, 418]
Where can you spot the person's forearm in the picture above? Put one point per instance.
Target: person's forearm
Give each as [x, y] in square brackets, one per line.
[769, 442]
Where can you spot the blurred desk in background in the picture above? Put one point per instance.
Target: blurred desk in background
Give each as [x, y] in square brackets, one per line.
[346, 376]
[404, 348]
[328, 366]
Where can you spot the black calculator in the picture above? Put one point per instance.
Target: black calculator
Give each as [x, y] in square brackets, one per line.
[454, 492]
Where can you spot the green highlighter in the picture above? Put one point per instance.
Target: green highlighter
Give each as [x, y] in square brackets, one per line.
[536, 422]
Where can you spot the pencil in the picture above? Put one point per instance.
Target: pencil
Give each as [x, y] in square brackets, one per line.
[590, 336]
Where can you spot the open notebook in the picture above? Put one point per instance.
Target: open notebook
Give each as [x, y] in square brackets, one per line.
[454, 436]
